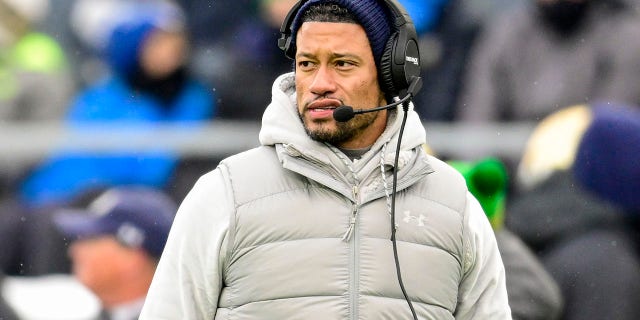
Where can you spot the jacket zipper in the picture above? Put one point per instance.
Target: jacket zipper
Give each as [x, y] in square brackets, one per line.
[352, 233]
[354, 216]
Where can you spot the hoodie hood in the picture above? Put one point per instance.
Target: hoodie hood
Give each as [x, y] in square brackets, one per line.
[282, 128]
[282, 125]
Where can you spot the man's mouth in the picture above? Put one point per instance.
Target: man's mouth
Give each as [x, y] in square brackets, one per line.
[322, 109]
[324, 104]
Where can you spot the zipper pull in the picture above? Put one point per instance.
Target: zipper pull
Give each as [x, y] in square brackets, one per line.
[354, 216]
[352, 225]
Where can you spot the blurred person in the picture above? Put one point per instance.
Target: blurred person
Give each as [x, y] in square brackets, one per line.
[254, 60]
[88, 24]
[541, 57]
[115, 244]
[533, 293]
[35, 82]
[149, 84]
[587, 243]
[304, 225]
[607, 164]
[448, 31]
[33, 66]
[608, 157]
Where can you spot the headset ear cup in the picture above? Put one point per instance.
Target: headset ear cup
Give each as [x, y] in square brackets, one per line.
[385, 74]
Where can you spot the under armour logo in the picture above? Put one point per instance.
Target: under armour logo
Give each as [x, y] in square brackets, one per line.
[419, 220]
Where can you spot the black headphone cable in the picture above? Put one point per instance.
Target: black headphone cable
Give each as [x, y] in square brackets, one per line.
[416, 83]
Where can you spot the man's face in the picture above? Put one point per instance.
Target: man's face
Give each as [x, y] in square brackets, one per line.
[163, 52]
[101, 263]
[334, 67]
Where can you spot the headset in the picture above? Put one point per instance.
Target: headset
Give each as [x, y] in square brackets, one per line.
[400, 61]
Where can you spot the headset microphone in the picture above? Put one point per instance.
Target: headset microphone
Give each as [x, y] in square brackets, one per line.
[346, 113]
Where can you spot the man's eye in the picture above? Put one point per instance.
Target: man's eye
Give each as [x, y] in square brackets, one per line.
[344, 64]
[305, 64]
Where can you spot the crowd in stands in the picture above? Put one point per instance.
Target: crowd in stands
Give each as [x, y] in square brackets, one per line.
[568, 207]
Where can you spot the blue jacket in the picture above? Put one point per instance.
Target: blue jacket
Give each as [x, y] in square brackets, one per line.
[68, 174]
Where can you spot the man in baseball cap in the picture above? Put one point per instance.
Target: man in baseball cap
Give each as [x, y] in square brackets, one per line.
[116, 243]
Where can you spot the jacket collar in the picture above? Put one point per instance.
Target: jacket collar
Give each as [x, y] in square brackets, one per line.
[282, 128]
[282, 125]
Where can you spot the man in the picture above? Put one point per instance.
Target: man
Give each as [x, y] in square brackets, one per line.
[554, 53]
[300, 227]
[148, 85]
[116, 244]
[35, 76]
[532, 291]
[578, 174]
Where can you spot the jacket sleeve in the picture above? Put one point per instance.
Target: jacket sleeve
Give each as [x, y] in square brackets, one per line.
[188, 279]
[482, 293]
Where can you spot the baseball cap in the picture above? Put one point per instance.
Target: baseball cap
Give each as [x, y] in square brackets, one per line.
[138, 217]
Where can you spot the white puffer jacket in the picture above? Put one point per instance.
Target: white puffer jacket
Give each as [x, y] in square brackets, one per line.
[295, 230]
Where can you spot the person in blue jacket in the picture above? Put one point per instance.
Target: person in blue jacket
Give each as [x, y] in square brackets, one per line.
[149, 84]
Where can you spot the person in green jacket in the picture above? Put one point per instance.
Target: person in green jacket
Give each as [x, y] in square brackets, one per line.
[533, 293]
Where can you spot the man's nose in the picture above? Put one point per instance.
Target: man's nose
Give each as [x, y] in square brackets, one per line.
[323, 82]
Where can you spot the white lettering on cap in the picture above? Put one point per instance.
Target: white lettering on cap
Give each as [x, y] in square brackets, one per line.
[104, 203]
[130, 235]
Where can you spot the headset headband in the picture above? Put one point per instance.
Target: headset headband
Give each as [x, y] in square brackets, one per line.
[400, 19]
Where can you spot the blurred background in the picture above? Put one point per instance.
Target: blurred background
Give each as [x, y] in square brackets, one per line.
[99, 94]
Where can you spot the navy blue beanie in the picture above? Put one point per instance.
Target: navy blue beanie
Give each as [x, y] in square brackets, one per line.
[372, 15]
[608, 157]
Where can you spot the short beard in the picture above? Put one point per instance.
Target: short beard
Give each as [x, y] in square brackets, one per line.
[344, 131]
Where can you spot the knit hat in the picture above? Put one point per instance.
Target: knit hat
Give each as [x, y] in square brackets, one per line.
[372, 15]
[608, 158]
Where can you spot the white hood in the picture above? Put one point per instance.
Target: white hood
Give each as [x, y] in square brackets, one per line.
[282, 125]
